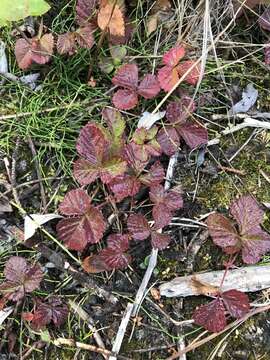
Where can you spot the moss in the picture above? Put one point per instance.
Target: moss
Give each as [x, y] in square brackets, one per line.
[253, 161]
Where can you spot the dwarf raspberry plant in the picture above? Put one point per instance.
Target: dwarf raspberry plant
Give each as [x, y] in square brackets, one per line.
[170, 74]
[249, 239]
[127, 78]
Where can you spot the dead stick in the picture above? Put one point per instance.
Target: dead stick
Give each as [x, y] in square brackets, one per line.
[246, 279]
[70, 342]
[236, 323]
[42, 190]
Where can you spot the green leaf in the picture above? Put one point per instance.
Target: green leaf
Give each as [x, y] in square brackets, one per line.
[20, 9]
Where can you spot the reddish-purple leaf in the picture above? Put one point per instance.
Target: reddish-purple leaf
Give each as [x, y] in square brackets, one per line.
[194, 135]
[138, 227]
[155, 175]
[211, 316]
[133, 158]
[113, 259]
[168, 140]
[84, 172]
[21, 278]
[178, 112]
[118, 242]
[96, 147]
[125, 99]
[76, 202]
[84, 37]
[193, 76]
[127, 76]
[149, 87]
[115, 256]
[51, 311]
[66, 44]
[253, 241]
[92, 144]
[85, 10]
[160, 241]
[222, 231]
[236, 302]
[247, 213]
[38, 50]
[77, 232]
[264, 19]
[255, 244]
[165, 203]
[124, 185]
[167, 77]
[173, 56]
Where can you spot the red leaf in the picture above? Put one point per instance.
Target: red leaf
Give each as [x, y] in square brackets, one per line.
[51, 311]
[84, 10]
[193, 134]
[247, 213]
[160, 241]
[21, 278]
[155, 175]
[23, 54]
[222, 231]
[211, 316]
[138, 227]
[173, 56]
[124, 186]
[66, 44]
[114, 255]
[38, 50]
[165, 203]
[167, 77]
[178, 112]
[27, 316]
[88, 227]
[149, 87]
[236, 302]
[193, 76]
[125, 99]
[76, 202]
[127, 76]
[168, 140]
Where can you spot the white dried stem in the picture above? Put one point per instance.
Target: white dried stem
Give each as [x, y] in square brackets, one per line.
[246, 279]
